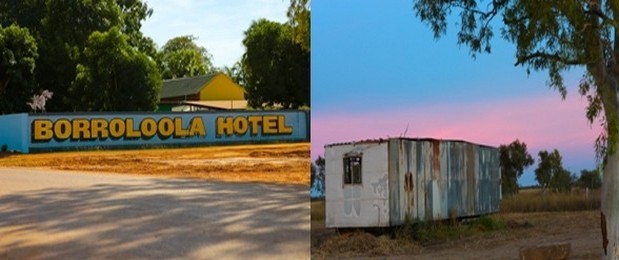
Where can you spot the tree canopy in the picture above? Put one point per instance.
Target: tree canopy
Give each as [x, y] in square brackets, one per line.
[62, 29]
[182, 57]
[555, 36]
[549, 36]
[513, 158]
[18, 52]
[317, 178]
[590, 179]
[550, 173]
[276, 69]
[125, 81]
[299, 18]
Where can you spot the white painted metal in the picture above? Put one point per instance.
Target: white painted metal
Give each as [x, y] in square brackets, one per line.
[365, 205]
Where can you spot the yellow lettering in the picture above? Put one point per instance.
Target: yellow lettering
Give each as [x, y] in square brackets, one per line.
[80, 129]
[166, 127]
[254, 121]
[98, 128]
[131, 133]
[178, 128]
[148, 127]
[197, 127]
[225, 125]
[240, 125]
[62, 129]
[269, 125]
[117, 128]
[42, 130]
[282, 128]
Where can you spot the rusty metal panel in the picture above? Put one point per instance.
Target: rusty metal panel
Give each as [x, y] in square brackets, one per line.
[490, 178]
[456, 179]
[395, 199]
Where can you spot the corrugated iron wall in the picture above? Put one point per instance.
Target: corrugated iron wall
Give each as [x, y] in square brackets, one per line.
[433, 179]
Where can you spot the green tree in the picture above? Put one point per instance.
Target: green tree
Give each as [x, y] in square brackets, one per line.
[514, 158]
[299, 19]
[113, 76]
[133, 13]
[18, 52]
[317, 177]
[182, 57]
[549, 165]
[590, 179]
[275, 68]
[62, 35]
[235, 73]
[61, 30]
[555, 36]
[561, 180]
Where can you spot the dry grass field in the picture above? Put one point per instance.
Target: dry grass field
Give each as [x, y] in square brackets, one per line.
[526, 219]
[266, 163]
[533, 200]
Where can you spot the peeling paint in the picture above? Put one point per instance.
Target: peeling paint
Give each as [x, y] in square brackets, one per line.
[380, 187]
[409, 187]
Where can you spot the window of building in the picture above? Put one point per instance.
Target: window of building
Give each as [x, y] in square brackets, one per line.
[352, 170]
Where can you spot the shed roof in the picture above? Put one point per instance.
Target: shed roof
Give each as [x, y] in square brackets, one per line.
[380, 140]
[185, 86]
[218, 104]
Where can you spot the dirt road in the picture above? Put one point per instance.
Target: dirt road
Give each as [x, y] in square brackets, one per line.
[54, 215]
[580, 229]
[270, 163]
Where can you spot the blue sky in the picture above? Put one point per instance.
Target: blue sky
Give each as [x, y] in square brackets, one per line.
[377, 70]
[219, 25]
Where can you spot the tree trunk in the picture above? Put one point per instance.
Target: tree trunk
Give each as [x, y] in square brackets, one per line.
[610, 208]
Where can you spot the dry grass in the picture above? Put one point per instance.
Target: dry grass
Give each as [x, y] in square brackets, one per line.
[318, 209]
[267, 163]
[525, 216]
[532, 200]
[360, 243]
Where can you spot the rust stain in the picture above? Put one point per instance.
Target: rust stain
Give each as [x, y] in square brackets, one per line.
[436, 158]
[604, 233]
[409, 187]
[471, 178]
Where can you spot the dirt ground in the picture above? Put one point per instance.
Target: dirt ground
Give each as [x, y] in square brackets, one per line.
[266, 163]
[581, 229]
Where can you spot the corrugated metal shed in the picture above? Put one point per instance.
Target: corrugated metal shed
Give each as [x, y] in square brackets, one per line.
[422, 179]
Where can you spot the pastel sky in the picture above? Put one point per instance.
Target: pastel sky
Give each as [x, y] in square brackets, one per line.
[377, 71]
[219, 25]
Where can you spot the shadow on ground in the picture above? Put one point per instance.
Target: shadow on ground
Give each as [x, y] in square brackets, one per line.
[162, 218]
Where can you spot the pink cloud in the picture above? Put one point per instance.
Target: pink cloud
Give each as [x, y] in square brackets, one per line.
[544, 122]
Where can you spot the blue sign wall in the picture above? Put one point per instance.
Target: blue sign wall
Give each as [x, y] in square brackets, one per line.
[44, 132]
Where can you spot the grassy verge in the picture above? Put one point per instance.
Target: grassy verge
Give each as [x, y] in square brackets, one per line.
[428, 232]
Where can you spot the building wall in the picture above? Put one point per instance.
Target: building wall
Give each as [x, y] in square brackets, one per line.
[222, 88]
[69, 131]
[13, 133]
[365, 205]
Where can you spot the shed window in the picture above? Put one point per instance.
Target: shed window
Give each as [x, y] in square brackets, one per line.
[352, 170]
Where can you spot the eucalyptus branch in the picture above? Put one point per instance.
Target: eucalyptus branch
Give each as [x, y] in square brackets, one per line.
[542, 55]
